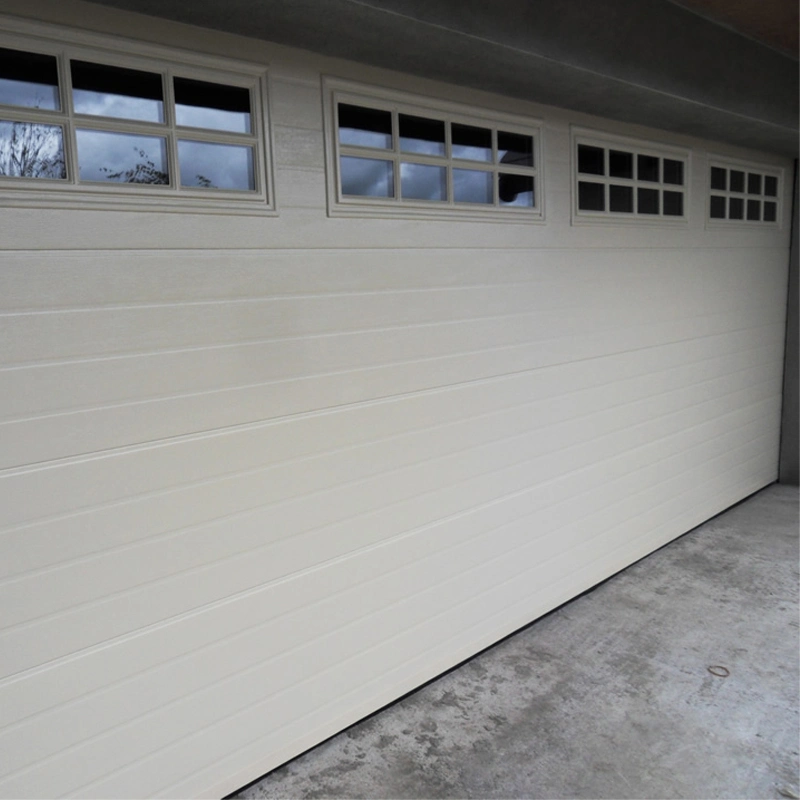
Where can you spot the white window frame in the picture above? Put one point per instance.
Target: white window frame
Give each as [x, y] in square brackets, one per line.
[337, 91]
[66, 44]
[612, 141]
[744, 166]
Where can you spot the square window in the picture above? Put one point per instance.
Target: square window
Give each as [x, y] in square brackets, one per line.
[673, 172]
[754, 210]
[591, 160]
[620, 164]
[472, 186]
[647, 170]
[516, 190]
[620, 198]
[213, 165]
[216, 106]
[737, 181]
[770, 211]
[735, 208]
[112, 157]
[591, 196]
[716, 207]
[770, 186]
[104, 91]
[366, 177]
[471, 143]
[365, 127]
[29, 80]
[421, 135]
[514, 149]
[753, 183]
[673, 204]
[423, 182]
[719, 178]
[647, 201]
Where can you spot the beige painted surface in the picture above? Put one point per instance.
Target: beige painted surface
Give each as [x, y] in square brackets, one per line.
[261, 475]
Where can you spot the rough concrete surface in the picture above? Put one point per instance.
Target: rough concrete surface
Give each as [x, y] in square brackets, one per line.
[609, 696]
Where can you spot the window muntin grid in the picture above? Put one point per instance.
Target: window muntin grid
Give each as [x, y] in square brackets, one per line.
[128, 126]
[392, 155]
[617, 179]
[743, 193]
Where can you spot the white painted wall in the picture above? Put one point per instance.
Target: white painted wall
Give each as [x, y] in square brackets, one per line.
[262, 475]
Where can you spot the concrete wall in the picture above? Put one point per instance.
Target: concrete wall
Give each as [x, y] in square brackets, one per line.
[790, 438]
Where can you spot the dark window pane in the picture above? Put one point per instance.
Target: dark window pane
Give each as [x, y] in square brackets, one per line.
[423, 182]
[770, 186]
[200, 104]
[716, 207]
[31, 150]
[620, 198]
[770, 211]
[719, 178]
[122, 157]
[737, 181]
[106, 91]
[754, 210]
[514, 148]
[753, 184]
[28, 79]
[620, 164]
[591, 196]
[517, 190]
[421, 135]
[474, 144]
[366, 177]
[647, 170]
[365, 127]
[673, 172]
[735, 208]
[209, 165]
[673, 204]
[472, 186]
[647, 201]
[591, 160]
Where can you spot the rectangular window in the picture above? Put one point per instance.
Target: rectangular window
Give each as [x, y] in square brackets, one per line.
[392, 155]
[99, 128]
[616, 178]
[743, 193]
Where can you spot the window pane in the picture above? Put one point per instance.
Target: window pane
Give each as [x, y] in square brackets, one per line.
[28, 79]
[647, 168]
[770, 186]
[647, 201]
[116, 92]
[423, 182]
[421, 135]
[514, 148]
[591, 196]
[591, 160]
[719, 178]
[31, 150]
[365, 127]
[754, 210]
[673, 172]
[366, 177]
[716, 207]
[737, 181]
[620, 164]
[200, 104]
[516, 190]
[208, 165]
[473, 144]
[753, 184]
[122, 157]
[620, 198]
[770, 212]
[735, 208]
[472, 186]
[673, 204]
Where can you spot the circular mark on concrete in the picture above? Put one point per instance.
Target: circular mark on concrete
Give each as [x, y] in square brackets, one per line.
[719, 672]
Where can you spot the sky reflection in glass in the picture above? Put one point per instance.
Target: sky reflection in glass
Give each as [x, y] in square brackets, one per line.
[209, 165]
[122, 157]
[471, 143]
[40, 87]
[421, 135]
[472, 186]
[423, 182]
[200, 104]
[365, 127]
[106, 91]
[31, 150]
[367, 177]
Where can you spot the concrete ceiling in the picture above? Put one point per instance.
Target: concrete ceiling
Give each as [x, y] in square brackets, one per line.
[653, 62]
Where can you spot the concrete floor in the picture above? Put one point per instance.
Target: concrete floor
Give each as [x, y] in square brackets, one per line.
[610, 696]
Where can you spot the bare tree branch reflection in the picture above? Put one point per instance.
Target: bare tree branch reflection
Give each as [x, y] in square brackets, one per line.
[31, 150]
